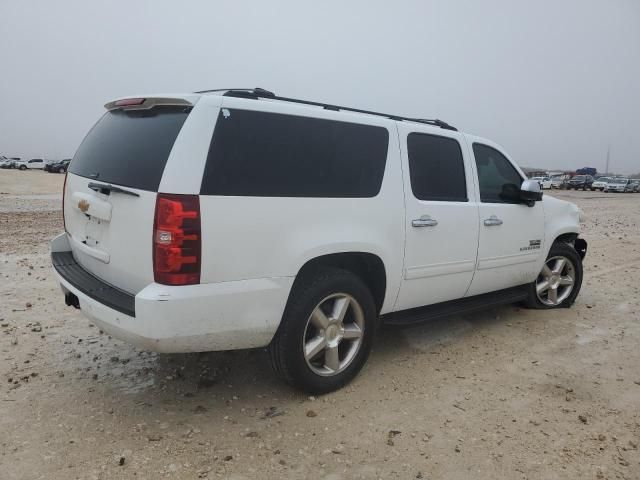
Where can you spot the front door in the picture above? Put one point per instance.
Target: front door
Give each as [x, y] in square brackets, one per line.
[511, 233]
[441, 217]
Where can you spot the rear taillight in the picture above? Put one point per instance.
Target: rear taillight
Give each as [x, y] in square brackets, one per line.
[64, 190]
[177, 240]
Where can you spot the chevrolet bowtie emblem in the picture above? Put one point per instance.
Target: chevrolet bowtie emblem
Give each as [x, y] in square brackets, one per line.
[83, 205]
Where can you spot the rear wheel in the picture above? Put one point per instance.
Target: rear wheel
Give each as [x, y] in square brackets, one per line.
[559, 282]
[22, 167]
[61, 170]
[326, 332]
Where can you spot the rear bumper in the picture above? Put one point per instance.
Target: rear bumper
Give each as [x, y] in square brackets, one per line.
[194, 318]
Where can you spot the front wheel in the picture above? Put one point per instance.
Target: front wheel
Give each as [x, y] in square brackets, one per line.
[61, 170]
[326, 332]
[559, 282]
[22, 167]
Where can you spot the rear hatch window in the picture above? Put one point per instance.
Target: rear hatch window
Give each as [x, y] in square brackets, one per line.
[130, 147]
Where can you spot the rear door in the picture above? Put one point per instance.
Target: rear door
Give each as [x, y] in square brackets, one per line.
[111, 189]
[511, 233]
[441, 216]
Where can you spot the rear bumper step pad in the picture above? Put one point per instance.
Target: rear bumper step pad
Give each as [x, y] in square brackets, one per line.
[92, 286]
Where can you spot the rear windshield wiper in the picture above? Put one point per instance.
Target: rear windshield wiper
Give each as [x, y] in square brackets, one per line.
[107, 188]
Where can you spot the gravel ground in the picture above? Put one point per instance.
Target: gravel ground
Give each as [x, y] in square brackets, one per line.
[506, 393]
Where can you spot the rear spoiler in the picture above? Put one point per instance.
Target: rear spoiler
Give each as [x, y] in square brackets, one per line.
[146, 103]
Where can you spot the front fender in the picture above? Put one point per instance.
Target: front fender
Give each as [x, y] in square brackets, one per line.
[561, 218]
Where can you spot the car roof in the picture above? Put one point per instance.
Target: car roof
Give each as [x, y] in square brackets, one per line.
[265, 95]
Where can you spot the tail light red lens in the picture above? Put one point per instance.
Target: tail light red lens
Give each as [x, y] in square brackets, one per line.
[177, 242]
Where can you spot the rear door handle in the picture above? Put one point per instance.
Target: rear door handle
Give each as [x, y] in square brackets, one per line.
[424, 221]
[492, 221]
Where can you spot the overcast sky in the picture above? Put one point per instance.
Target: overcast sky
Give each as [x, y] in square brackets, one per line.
[554, 82]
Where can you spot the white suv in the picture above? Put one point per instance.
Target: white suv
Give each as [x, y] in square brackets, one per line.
[34, 163]
[238, 219]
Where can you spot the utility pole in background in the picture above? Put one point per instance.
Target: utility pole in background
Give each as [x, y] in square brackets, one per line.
[606, 170]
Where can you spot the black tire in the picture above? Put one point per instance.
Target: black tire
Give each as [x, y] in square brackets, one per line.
[286, 348]
[559, 249]
[22, 167]
[61, 170]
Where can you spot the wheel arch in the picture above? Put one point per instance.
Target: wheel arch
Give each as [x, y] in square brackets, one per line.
[366, 265]
[572, 238]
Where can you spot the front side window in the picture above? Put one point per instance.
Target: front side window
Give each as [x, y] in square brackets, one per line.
[499, 181]
[264, 154]
[436, 168]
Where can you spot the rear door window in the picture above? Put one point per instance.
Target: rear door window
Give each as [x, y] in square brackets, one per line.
[130, 148]
[263, 154]
[436, 168]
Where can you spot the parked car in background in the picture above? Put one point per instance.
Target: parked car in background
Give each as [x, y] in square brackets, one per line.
[360, 216]
[33, 164]
[557, 181]
[12, 162]
[619, 185]
[600, 183]
[57, 166]
[580, 182]
[545, 182]
[635, 184]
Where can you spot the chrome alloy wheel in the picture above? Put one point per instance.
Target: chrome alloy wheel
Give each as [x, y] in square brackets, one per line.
[333, 334]
[555, 282]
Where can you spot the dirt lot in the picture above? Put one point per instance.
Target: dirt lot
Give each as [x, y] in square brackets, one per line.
[506, 393]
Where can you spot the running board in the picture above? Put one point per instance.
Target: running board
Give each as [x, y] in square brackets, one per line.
[455, 307]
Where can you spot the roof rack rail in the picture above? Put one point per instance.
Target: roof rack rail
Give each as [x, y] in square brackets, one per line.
[256, 93]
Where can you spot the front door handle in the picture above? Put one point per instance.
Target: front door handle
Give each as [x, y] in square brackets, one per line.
[424, 221]
[492, 221]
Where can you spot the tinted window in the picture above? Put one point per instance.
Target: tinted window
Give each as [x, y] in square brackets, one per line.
[436, 168]
[499, 180]
[273, 155]
[130, 148]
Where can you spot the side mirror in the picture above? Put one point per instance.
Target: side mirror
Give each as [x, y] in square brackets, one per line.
[530, 192]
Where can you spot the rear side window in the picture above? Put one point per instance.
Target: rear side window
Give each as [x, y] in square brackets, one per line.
[265, 154]
[499, 181]
[130, 148]
[436, 168]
